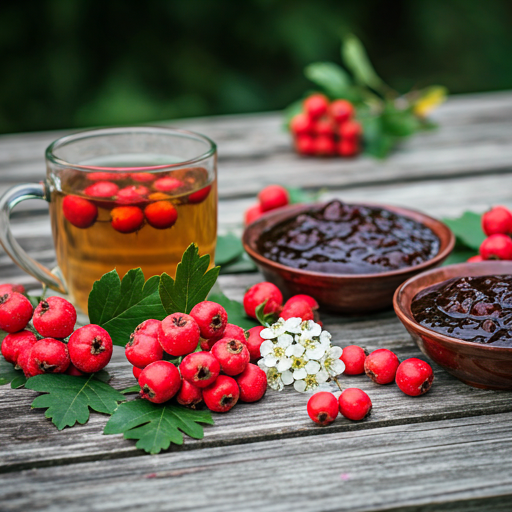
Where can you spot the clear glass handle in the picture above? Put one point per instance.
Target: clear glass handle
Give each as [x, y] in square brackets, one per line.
[8, 201]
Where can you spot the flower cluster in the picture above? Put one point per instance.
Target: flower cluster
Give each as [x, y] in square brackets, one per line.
[298, 353]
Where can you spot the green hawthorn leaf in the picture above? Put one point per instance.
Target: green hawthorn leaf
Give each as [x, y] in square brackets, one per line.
[242, 264]
[234, 309]
[156, 426]
[130, 390]
[67, 399]
[120, 306]
[468, 230]
[192, 284]
[355, 57]
[9, 375]
[459, 256]
[333, 79]
[229, 248]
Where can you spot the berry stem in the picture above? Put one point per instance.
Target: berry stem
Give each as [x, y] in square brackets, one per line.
[338, 383]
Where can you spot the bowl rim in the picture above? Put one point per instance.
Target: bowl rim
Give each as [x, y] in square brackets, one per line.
[404, 313]
[292, 208]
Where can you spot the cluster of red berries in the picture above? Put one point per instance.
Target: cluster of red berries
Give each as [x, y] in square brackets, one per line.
[270, 198]
[413, 376]
[133, 204]
[497, 225]
[326, 128]
[220, 374]
[88, 349]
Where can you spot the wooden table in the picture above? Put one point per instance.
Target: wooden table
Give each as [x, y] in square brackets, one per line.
[448, 450]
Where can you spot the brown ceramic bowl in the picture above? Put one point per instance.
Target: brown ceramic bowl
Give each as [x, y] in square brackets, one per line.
[344, 293]
[481, 366]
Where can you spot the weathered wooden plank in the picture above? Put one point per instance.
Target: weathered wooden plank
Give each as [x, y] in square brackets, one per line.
[447, 465]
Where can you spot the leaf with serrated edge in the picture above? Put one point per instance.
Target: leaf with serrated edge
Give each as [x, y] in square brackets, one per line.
[192, 284]
[68, 398]
[234, 309]
[156, 426]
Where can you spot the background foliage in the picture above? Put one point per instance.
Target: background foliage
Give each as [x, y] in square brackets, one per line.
[67, 64]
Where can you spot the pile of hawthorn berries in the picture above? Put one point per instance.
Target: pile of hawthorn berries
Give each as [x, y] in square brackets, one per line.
[326, 128]
[88, 349]
[220, 374]
[413, 376]
[139, 198]
[270, 198]
[497, 225]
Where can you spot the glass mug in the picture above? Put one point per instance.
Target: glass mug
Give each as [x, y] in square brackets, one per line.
[120, 198]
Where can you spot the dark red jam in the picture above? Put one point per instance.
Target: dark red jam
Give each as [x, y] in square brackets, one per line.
[348, 239]
[477, 309]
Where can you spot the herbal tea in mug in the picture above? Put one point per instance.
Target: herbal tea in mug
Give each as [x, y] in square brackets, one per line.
[121, 198]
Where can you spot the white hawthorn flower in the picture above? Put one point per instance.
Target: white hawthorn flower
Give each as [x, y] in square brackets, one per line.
[315, 346]
[273, 352]
[275, 379]
[310, 328]
[312, 376]
[332, 363]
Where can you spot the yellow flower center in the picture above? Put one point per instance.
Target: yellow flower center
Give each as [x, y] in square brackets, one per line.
[298, 362]
[309, 343]
[310, 381]
[279, 352]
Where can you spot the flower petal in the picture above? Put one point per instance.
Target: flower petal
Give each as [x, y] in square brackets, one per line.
[284, 364]
[292, 325]
[312, 367]
[295, 350]
[337, 367]
[315, 353]
[300, 374]
[299, 386]
[287, 377]
[270, 360]
[335, 352]
[322, 376]
[267, 347]
[284, 340]
[325, 336]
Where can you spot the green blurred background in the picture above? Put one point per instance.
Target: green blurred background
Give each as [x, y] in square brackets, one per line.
[78, 63]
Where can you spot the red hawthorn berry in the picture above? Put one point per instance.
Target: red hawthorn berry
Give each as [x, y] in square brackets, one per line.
[222, 395]
[136, 372]
[297, 308]
[316, 105]
[180, 334]
[200, 368]
[211, 318]
[347, 147]
[80, 212]
[158, 196]
[324, 128]
[475, 259]
[189, 395]
[301, 124]
[12, 343]
[142, 177]
[127, 219]
[351, 130]
[161, 214]
[207, 345]
[233, 355]
[159, 382]
[341, 111]
[301, 297]
[498, 220]
[252, 213]
[47, 356]
[414, 377]
[355, 404]
[106, 176]
[144, 347]
[325, 146]
[200, 195]
[305, 145]
[74, 371]
[15, 312]
[496, 247]
[9, 288]
[252, 383]
[272, 197]
[354, 358]
[22, 348]
[381, 366]
[132, 194]
[90, 348]
[101, 189]
[54, 317]
[236, 332]
[323, 408]
[167, 184]
[254, 341]
[259, 293]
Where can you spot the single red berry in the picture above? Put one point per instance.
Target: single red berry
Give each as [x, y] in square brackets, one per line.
[272, 197]
[9, 288]
[90, 348]
[498, 220]
[15, 312]
[355, 404]
[236, 332]
[254, 341]
[101, 189]
[161, 214]
[252, 213]
[316, 105]
[252, 383]
[133, 194]
[200, 195]
[475, 259]
[350, 130]
[347, 147]
[233, 355]
[22, 348]
[324, 128]
[54, 317]
[414, 377]
[189, 395]
[323, 408]
[74, 371]
[127, 219]
[381, 366]
[297, 308]
[211, 319]
[142, 177]
[222, 395]
[200, 368]
[47, 356]
[167, 184]
[79, 211]
[341, 111]
[207, 345]
[136, 372]
[496, 247]
[260, 293]
[325, 146]
[12, 343]
[144, 347]
[301, 124]
[305, 145]
[180, 334]
[159, 381]
[353, 357]
[158, 196]
[313, 304]
[106, 176]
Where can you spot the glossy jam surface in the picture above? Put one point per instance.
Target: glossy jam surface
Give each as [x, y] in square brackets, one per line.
[349, 239]
[477, 309]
